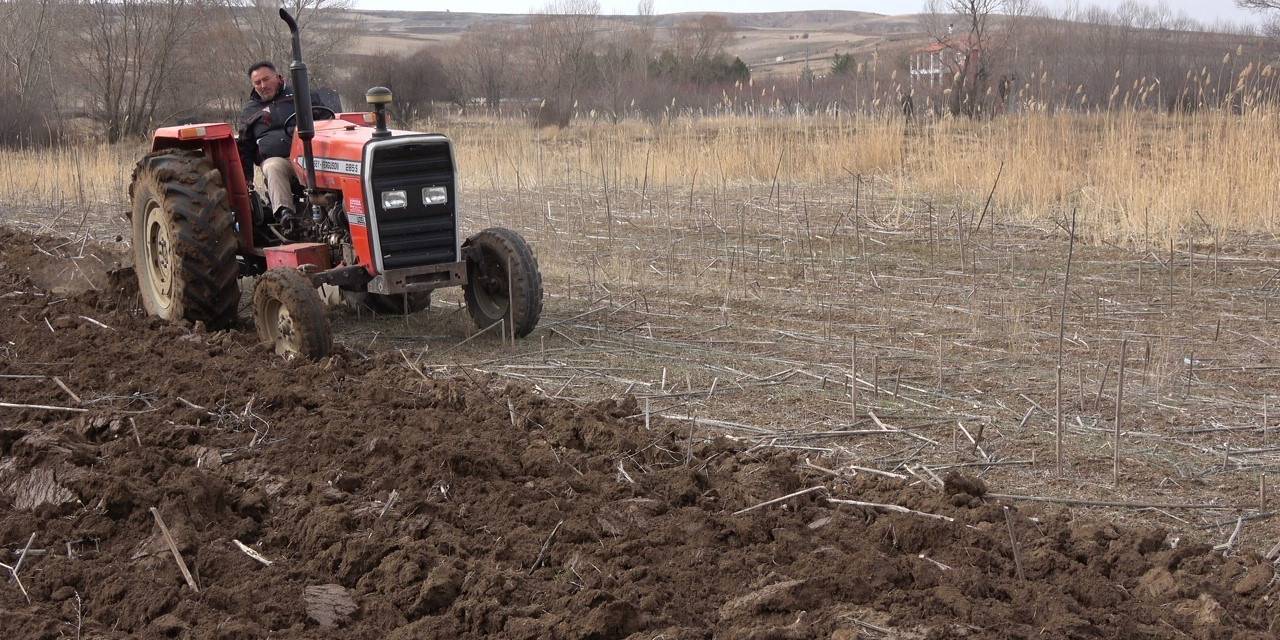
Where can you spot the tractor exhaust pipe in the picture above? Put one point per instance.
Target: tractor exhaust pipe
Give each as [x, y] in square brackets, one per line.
[302, 108]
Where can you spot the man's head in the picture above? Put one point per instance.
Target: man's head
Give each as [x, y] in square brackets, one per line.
[266, 80]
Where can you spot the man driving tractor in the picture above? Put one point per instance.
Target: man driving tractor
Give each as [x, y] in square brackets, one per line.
[263, 139]
[381, 220]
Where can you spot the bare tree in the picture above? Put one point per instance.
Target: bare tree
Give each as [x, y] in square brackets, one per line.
[624, 61]
[418, 79]
[326, 32]
[25, 27]
[485, 57]
[964, 29]
[1272, 25]
[561, 40]
[30, 32]
[698, 39]
[135, 60]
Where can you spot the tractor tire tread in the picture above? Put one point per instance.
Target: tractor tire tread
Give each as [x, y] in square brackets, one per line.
[526, 280]
[296, 293]
[190, 188]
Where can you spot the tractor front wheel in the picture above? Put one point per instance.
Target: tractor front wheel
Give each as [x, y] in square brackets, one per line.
[503, 282]
[184, 241]
[289, 315]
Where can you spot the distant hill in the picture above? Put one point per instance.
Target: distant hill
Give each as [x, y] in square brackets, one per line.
[761, 39]
[770, 43]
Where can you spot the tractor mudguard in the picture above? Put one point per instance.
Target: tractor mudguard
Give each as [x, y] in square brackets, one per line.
[217, 141]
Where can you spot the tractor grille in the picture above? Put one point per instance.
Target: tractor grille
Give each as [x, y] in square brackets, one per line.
[417, 234]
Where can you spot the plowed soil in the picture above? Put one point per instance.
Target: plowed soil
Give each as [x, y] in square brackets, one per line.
[393, 505]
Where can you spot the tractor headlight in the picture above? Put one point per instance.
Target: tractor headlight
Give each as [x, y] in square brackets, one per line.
[434, 195]
[395, 199]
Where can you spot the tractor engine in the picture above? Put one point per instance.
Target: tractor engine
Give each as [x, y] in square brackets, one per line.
[413, 218]
[384, 205]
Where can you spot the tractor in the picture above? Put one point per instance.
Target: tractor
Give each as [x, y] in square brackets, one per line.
[382, 227]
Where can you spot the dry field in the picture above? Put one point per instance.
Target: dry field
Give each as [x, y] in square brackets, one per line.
[739, 274]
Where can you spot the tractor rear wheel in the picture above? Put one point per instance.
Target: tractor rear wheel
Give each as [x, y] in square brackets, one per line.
[503, 281]
[184, 241]
[397, 304]
[289, 315]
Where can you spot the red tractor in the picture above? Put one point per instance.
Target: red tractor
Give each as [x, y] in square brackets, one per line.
[382, 227]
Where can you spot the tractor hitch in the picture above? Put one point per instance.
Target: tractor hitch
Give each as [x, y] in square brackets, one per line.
[353, 277]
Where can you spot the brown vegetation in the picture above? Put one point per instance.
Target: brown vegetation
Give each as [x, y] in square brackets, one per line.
[115, 70]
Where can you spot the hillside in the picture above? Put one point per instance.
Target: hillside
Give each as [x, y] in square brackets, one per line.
[761, 38]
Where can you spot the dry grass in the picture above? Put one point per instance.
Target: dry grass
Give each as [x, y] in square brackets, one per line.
[713, 290]
[68, 177]
[740, 310]
[1135, 176]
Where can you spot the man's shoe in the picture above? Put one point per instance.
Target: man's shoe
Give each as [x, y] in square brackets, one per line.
[290, 223]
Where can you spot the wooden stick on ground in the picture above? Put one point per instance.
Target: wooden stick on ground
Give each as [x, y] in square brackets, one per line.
[875, 379]
[887, 474]
[1062, 331]
[1274, 552]
[855, 469]
[777, 500]
[248, 551]
[853, 380]
[14, 573]
[977, 447]
[23, 555]
[95, 322]
[168, 539]
[939, 363]
[545, 545]
[11, 405]
[1115, 460]
[987, 206]
[1112, 503]
[391, 499]
[891, 507]
[475, 335]
[190, 404]
[1013, 540]
[62, 385]
[1230, 544]
[1025, 417]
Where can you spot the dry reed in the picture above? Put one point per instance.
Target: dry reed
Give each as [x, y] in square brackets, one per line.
[1136, 177]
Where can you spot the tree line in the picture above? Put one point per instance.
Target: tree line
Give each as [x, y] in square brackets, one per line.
[115, 69]
[563, 61]
[126, 66]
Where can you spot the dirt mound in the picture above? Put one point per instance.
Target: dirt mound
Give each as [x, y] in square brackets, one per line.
[65, 267]
[389, 505]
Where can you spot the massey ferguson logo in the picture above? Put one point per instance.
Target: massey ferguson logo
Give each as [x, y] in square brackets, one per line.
[333, 165]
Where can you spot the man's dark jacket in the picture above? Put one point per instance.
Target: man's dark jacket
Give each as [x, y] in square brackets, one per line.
[262, 132]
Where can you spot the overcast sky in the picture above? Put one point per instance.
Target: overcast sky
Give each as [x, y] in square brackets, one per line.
[1207, 11]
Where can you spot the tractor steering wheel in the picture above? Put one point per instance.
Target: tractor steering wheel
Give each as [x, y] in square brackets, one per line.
[318, 112]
